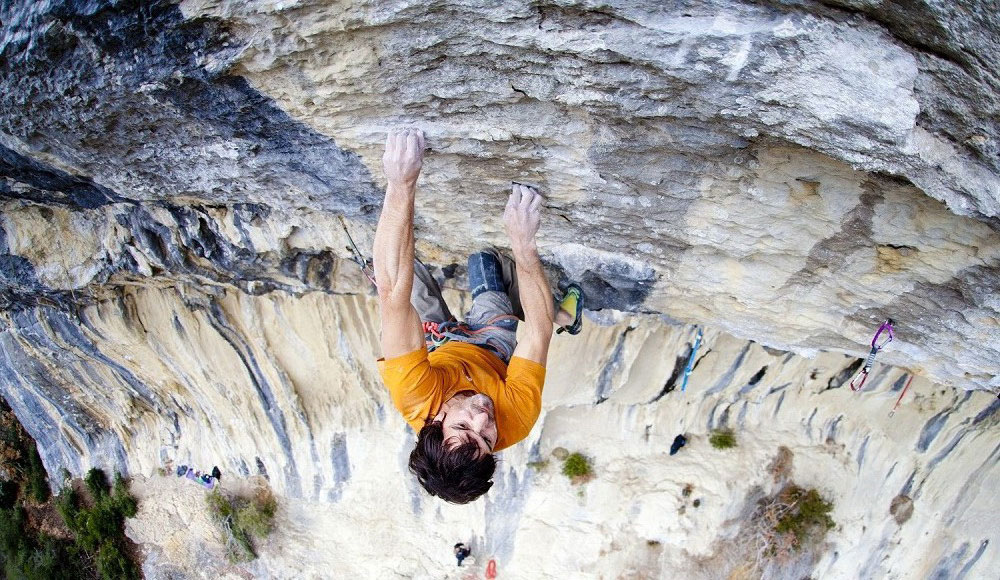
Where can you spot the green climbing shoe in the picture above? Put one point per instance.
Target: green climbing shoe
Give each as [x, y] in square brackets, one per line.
[572, 302]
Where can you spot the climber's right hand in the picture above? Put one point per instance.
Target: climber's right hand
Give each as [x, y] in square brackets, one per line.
[404, 156]
[522, 217]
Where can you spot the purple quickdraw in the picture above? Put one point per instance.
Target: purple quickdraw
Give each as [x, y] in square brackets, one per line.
[877, 345]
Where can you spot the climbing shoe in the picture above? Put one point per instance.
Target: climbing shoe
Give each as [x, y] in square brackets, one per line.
[572, 302]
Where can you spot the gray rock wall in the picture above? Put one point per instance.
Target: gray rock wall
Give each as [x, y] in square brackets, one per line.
[792, 173]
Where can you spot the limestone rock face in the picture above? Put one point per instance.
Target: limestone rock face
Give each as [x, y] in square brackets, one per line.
[285, 388]
[179, 183]
[790, 173]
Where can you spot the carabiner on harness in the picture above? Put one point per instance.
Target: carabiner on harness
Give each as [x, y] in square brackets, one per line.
[878, 343]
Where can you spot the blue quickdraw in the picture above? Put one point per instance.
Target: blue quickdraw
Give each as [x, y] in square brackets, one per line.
[690, 364]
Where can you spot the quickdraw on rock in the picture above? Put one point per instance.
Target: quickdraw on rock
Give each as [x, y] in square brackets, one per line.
[690, 364]
[896, 406]
[878, 343]
[367, 268]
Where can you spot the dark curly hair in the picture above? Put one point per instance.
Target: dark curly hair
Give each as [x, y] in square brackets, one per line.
[456, 475]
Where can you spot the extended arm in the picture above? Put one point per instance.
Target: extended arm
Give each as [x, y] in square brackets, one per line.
[393, 247]
[522, 218]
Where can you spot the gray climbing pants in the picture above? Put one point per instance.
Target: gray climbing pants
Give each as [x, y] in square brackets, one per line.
[491, 322]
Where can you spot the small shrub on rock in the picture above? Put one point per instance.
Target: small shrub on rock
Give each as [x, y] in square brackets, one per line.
[577, 467]
[807, 517]
[780, 535]
[722, 439]
[243, 521]
[257, 515]
[538, 465]
[792, 520]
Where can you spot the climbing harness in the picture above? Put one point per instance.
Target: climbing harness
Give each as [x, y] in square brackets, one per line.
[367, 268]
[877, 345]
[896, 406]
[690, 364]
[438, 333]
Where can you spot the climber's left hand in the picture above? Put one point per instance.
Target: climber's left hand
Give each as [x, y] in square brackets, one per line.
[404, 156]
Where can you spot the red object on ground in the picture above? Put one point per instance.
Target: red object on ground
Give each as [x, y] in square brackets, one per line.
[491, 570]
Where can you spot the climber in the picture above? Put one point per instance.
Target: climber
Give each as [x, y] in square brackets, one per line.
[461, 552]
[479, 390]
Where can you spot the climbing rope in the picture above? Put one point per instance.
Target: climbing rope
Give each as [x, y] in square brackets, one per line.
[896, 406]
[877, 345]
[438, 333]
[367, 268]
[690, 364]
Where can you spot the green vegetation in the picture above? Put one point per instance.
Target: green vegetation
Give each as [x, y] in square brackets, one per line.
[791, 521]
[88, 543]
[782, 536]
[722, 439]
[19, 456]
[98, 529]
[243, 521]
[807, 517]
[577, 467]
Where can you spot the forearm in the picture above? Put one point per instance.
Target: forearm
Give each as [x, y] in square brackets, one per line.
[393, 246]
[535, 293]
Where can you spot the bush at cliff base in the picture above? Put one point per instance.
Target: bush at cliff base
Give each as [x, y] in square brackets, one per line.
[94, 545]
[243, 520]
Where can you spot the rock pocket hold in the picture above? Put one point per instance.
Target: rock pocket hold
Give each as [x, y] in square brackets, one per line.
[679, 441]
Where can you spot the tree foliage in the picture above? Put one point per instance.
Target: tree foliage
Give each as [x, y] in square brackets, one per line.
[98, 547]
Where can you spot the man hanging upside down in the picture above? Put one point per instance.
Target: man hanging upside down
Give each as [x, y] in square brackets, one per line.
[469, 388]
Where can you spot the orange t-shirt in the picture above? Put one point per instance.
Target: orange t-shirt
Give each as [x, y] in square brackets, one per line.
[419, 383]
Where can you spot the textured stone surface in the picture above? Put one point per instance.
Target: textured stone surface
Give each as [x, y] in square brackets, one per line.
[177, 184]
[285, 388]
[771, 170]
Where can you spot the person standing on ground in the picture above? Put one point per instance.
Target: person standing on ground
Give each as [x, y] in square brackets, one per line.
[469, 388]
[461, 552]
